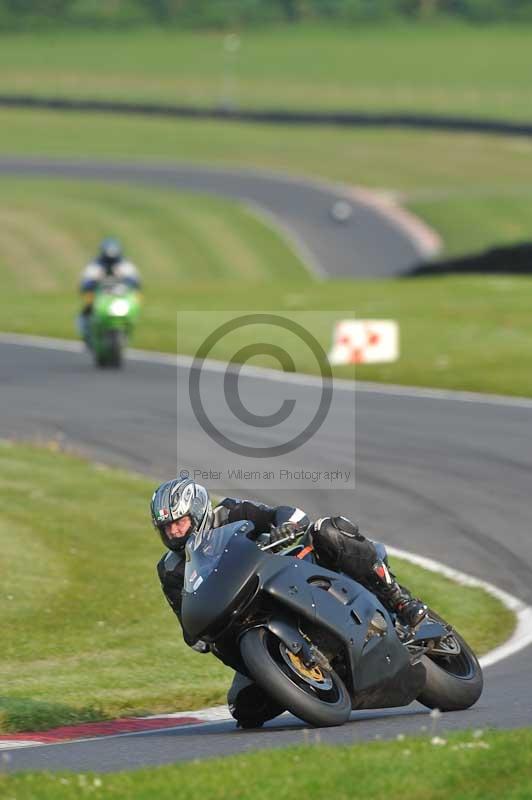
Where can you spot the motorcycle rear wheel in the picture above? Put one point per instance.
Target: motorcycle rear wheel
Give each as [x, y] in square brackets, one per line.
[317, 697]
[454, 682]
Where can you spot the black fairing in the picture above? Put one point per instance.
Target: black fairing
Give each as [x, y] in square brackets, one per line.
[205, 608]
[317, 601]
[345, 609]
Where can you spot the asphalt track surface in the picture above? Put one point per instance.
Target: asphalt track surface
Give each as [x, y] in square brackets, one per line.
[370, 244]
[447, 478]
[443, 477]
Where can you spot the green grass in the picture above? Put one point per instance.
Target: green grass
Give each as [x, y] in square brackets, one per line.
[199, 253]
[50, 229]
[469, 333]
[474, 189]
[483, 218]
[407, 162]
[86, 633]
[442, 68]
[456, 333]
[465, 766]
[459, 333]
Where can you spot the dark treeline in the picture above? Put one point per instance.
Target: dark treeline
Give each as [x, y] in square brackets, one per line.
[23, 14]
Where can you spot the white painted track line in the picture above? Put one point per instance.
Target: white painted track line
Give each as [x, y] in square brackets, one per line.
[154, 357]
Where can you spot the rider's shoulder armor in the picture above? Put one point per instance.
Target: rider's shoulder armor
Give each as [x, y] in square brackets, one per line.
[230, 502]
[171, 563]
[126, 271]
[92, 272]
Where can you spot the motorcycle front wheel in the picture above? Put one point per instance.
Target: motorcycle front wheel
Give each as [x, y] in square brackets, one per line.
[314, 695]
[114, 345]
[454, 676]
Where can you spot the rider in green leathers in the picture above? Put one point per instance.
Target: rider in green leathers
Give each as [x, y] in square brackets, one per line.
[109, 266]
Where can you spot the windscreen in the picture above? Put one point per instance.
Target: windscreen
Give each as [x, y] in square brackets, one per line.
[204, 552]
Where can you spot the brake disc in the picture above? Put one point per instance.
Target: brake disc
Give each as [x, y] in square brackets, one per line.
[447, 647]
[313, 675]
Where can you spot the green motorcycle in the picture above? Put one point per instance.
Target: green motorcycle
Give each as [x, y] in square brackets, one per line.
[114, 315]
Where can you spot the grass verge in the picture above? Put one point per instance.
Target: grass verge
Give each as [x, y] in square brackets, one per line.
[206, 254]
[400, 161]
[397, 67]
[474, 189]
[465, 333]
[478, 766]
[86, 633]
[50, 229]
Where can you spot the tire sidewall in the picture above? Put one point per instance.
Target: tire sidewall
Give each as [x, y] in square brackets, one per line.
[267, 674]
[450, 692]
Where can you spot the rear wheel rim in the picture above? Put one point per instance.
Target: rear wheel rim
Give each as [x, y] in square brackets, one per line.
[460, 664]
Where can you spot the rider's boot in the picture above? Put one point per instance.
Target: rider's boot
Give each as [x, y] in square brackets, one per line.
[84, 327]
[250, 706]
[410, 611]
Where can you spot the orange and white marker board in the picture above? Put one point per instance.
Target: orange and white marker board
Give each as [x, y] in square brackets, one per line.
[365, 341]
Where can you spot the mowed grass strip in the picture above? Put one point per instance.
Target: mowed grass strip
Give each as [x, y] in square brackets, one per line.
[453, 68]
[474, 189]
[457, 333]
[50, 229]
[467, 333]
[86, 632]
[485, 218]
[471, 766]
[204, 254]
[403, 161]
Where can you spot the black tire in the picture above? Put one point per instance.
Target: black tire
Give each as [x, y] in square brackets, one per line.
[114, 343]
[454, 682]
[262, 655]
[100, 360]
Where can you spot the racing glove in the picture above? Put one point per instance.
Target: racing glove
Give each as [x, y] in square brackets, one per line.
[280, 533]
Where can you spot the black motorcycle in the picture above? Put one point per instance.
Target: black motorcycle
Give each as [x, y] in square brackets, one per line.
[316, 641]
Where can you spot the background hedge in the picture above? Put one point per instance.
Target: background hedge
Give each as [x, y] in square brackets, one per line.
[29, 14]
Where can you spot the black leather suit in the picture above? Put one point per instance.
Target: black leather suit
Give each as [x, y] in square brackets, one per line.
[338, 545]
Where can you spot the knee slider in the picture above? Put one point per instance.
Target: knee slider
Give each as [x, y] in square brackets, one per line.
[340, 542]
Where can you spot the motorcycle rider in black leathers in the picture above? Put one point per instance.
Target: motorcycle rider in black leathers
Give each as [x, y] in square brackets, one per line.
[181, 507]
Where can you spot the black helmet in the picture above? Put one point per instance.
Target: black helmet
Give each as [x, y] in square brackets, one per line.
[178, 498]
[110, 253]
